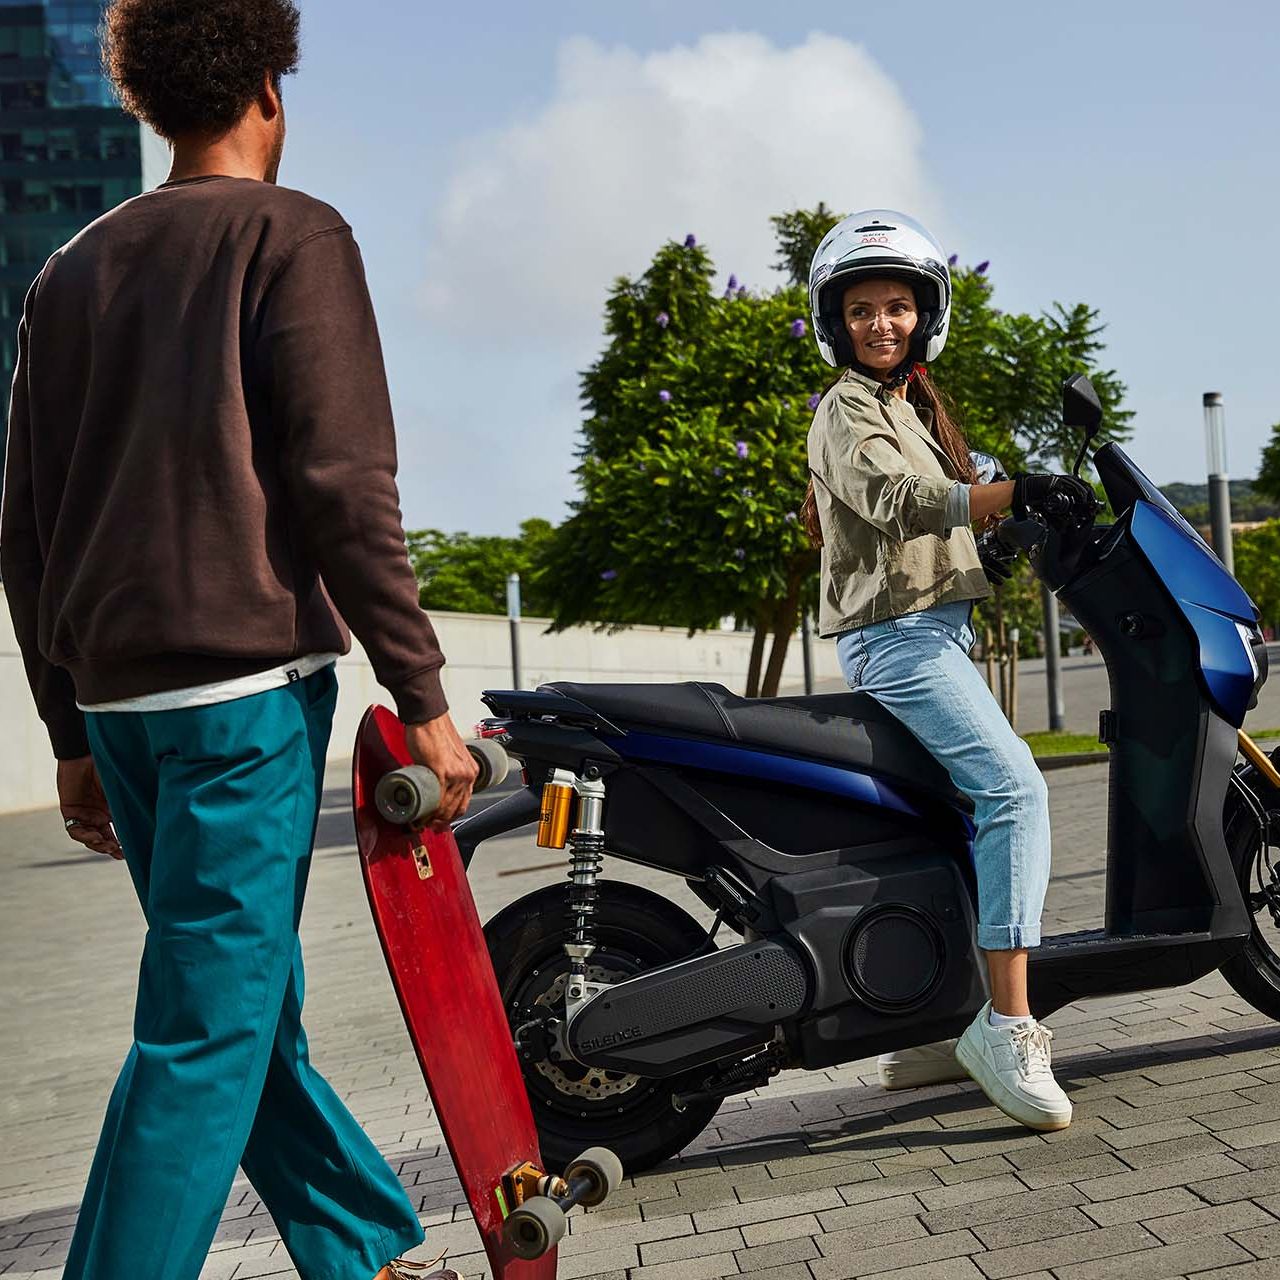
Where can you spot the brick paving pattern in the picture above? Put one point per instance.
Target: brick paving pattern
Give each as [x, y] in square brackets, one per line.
[1171, 1169]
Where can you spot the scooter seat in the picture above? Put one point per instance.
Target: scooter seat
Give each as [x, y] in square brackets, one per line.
[851, 730]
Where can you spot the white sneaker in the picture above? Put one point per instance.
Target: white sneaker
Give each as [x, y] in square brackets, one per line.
[1011, 1065]
[924, 1064]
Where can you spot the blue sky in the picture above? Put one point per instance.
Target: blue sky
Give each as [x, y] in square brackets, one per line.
[501, 163]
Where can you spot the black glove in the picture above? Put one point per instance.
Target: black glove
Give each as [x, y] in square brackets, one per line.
[1053, 495]
[997, 560]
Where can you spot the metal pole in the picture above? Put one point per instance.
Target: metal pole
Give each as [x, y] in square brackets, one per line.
[1053, 659]
[1215, 432]
[1014, 637]
[513, 614]
[806, 649]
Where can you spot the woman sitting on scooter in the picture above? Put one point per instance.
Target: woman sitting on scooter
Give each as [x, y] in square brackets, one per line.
[892, 495]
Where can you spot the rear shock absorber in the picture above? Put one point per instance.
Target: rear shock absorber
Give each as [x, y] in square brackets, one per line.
[586, 857]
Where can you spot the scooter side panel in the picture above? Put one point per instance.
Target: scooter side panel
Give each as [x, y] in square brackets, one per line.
[435, 950]
[1210, 600]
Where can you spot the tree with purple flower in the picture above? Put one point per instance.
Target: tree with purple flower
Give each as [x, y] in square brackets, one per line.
[700, 537]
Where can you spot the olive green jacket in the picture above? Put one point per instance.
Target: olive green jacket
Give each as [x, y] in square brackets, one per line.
[881, 481]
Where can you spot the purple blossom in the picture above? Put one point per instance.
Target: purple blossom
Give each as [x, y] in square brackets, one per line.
[791, 517]
[814, 401]
[739, 553]
[733, 282]
[665, 396]
[741, 449]
[951, 261]
[742, 293]
[640, 466]
[717, 471]
[981, 268]
[663, 319]
[609, 574]
[798, 328]
[691, 241]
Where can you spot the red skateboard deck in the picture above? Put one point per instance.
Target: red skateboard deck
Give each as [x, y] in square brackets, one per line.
[435, 949]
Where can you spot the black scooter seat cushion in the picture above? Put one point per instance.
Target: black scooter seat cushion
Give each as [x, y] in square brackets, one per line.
[848, 729]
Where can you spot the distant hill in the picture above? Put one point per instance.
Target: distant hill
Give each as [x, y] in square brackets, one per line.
[1246, 505]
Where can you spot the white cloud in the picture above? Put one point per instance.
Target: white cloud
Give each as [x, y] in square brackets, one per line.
[630, 150]
[634, 149]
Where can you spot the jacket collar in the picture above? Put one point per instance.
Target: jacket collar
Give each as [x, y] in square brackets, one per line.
[920, 420]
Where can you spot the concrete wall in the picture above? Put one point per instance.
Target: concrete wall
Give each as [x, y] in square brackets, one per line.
[479, 652]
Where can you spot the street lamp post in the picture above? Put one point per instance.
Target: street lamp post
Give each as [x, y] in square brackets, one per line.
[1215, 438]
[513, 616]
[806, 649]
[1053, 659]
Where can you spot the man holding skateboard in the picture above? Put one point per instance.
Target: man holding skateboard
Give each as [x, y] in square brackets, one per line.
[200, 487]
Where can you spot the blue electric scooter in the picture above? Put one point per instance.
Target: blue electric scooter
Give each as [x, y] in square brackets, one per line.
[821, 832]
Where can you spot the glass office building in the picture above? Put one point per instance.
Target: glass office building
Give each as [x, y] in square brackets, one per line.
[67, 151]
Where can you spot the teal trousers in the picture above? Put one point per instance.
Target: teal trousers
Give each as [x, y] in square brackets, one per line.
[216, 810]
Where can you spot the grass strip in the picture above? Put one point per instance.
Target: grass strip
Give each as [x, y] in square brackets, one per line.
[1069, 744]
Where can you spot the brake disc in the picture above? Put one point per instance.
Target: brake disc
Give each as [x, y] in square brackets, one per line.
[594, 1083]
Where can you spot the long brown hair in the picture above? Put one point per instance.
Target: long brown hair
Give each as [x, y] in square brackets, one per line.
[922, 393]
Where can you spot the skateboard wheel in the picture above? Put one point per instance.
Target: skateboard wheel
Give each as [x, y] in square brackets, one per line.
[409, 795]
[536, 1227]
[603, 1168]
[493, 761]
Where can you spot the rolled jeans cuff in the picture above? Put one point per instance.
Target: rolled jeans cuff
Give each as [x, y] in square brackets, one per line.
[1008, 937]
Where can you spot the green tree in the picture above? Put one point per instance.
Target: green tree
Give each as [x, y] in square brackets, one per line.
[1003, 374]
[692, 464]
[799, 233]
[1268, 481]
[693, 460]
[1257, 563]
[465, 573]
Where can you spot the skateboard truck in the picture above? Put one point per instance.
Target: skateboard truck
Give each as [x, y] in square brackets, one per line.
[535, 1203]
[408, 796]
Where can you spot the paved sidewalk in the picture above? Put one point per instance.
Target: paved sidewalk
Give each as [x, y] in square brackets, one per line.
[1172, 1167]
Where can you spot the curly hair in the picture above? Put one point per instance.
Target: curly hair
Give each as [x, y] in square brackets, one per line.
[194, 68]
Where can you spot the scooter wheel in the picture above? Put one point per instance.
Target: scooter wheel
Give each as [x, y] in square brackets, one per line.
[409, 795]
[603, 1168]
[536, 1227]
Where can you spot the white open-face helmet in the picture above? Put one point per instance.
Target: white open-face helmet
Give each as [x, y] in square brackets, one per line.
[880, 242]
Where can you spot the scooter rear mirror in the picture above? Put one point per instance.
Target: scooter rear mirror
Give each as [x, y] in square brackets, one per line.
[1081, 408]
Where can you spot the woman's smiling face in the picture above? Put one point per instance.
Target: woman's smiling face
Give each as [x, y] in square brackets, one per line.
[880, 316]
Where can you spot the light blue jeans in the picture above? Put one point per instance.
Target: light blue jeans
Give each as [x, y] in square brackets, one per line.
[917, 667]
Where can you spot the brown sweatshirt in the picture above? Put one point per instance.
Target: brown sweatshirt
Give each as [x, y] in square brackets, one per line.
[200, 480]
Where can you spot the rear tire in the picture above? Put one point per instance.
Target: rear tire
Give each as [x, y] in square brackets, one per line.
[576, 1107]
[1254, 972]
